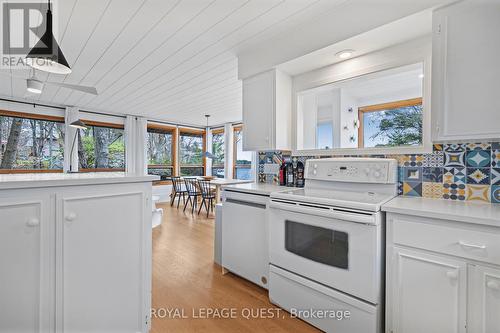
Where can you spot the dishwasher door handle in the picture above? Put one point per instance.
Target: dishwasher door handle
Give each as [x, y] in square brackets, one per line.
[246, 203]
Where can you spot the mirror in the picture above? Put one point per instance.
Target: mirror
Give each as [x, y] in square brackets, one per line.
[376, 110]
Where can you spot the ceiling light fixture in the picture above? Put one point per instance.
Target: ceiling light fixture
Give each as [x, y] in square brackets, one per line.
[46, 55]
[34, 86]
[344, 54]
[208, 154]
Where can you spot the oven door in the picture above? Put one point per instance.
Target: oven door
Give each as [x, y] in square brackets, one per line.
[342, 250]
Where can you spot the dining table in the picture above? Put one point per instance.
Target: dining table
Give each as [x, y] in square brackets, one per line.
[219, 182]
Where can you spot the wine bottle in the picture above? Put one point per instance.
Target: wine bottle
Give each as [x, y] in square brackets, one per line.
[290, 179]
[283, 174]
[300, 174]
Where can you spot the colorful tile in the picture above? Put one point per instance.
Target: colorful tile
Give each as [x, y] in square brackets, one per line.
[435, 159]
[454, 175]
[478, 193]
[437, 147]
[432, 174]
[495, 176]
[495, 145]
[414, 160]
[495, 158]
[495, 193]
[413, 189]
[400, 188]
[477, 176]
[454, 159]
[478, 146]
[454, 191]
[478, 158]
[412, 174]
[432, 190]
[454, 147]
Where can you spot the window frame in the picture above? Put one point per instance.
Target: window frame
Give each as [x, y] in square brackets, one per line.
[382, 107]
[237, 128]
[41, 117]
[203, 133]
[93, 123]
[174, 133]
[218, 131]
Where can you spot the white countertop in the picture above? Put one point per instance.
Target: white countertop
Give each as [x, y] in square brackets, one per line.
[257, 188]
[34, 180]
[460, 211]
[228, 181]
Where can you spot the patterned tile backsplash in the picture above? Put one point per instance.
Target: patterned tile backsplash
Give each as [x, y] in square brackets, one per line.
[453, 171]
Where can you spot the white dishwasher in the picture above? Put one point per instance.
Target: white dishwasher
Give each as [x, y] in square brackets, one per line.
[245, 236]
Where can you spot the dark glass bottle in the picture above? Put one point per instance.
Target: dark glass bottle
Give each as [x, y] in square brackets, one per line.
[300, 174]
[283, 174]
[290, 175]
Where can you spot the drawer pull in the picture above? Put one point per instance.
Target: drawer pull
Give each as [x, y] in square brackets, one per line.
[70, 217]
[472, 246]
[493, 285]
[452, 275]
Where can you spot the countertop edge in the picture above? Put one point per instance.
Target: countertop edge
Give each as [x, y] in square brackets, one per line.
[43, 183]
[444, 214]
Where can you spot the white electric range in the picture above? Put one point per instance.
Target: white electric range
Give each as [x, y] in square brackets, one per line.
[326, 244]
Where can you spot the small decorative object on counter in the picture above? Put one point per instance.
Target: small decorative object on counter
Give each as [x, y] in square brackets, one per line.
[290, 175]
[300, 174]
[283, 174]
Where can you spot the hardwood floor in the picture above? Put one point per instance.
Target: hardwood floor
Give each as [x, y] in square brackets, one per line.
[187, 283]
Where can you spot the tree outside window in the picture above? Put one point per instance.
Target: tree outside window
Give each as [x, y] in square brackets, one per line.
[391, 124]
[218, 153]
[160, 152]
[242, 159]
[191, 149]
[31, 143]
[101, 148]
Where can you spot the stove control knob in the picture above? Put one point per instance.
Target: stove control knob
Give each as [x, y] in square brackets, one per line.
[367, 171]
[377, 174]
[314, 172]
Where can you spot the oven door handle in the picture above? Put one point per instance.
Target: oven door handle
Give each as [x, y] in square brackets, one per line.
[324, 211]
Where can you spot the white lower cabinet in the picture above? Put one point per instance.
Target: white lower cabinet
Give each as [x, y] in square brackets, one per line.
[484, 296]
[428, 293]
[76, 259]
[442, 276]
[25, 265]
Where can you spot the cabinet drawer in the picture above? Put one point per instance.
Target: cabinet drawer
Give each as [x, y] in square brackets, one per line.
[459, 240]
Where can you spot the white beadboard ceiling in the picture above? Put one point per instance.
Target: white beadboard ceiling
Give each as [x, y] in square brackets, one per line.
[171, 60]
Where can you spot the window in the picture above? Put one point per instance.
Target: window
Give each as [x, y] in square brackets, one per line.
[391, 124]
[324, 135]
[31, 143]
[242, 159]
[101, 147]
[161, 159]
[218, 153]
[191, 149]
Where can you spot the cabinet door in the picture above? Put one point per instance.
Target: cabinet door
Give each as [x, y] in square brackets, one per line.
[25, 264]
[101, 256]
[258, 112]
[484, 300]
[465, 71]
[428, 293]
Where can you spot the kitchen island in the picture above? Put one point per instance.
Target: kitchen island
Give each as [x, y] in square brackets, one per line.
[75, 252]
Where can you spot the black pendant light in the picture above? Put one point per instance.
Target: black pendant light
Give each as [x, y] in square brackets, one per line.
[46, 55]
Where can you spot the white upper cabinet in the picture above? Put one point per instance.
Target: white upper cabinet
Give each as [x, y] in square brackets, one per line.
[465, 73]
[267, 111]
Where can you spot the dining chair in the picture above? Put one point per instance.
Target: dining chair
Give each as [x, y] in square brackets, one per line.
[207, 196]
[193, 193]
[178, 190]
